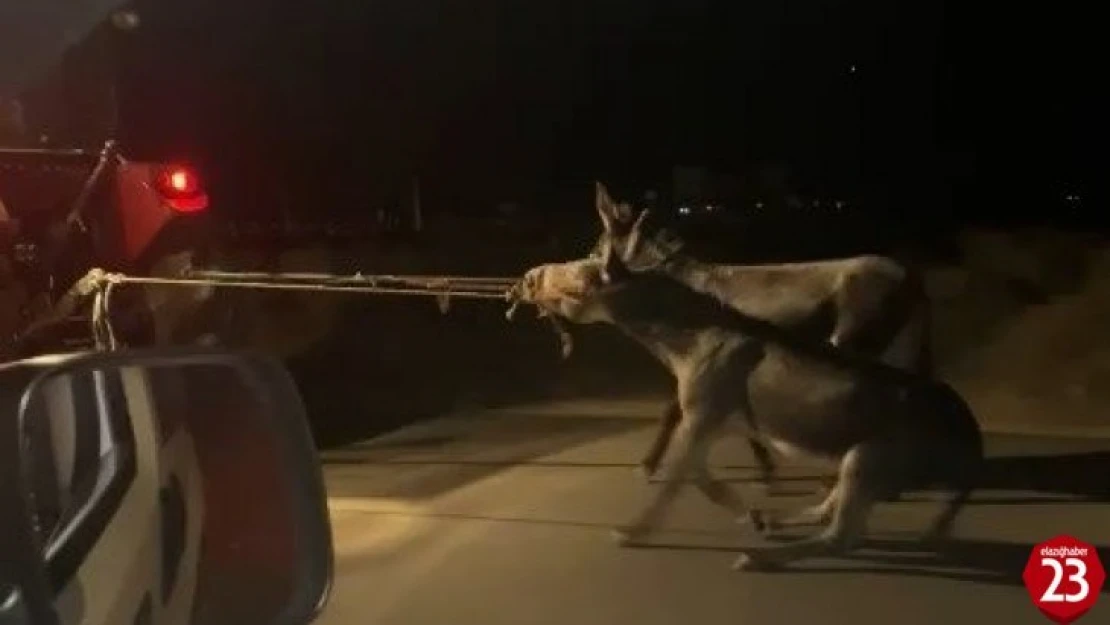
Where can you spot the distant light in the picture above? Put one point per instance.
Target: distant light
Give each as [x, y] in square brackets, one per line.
[1072, 197]
[684, 210]
[851, 69]
[759, 204]
[710, 208]
[839, 204]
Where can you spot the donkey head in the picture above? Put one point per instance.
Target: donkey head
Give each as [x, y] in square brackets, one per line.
[627, 233]
[575, 290]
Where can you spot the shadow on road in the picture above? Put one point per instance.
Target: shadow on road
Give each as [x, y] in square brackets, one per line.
[1059, 478]
[1084, 475]
[392, 364]
[976, 561]
[1079, 477]
[434, 464]
[605, 528]
[981, 561]
[1062, 478]
[486, 446]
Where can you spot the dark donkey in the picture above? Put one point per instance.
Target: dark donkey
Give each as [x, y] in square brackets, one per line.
[871, 306]
[886, 429]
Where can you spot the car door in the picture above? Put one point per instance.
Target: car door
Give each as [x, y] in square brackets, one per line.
[117, 498]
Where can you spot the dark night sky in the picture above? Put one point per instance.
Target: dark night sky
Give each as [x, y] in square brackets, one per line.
[352, 96]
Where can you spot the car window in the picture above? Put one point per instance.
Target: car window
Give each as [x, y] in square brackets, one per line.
[79, 452]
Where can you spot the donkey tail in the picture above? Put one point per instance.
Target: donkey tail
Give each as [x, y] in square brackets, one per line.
[915, 339]
[964, 462]
[926, 364]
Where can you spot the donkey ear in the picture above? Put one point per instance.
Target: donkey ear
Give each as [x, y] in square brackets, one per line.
[639, 223]
[636, 231]
[606, 209]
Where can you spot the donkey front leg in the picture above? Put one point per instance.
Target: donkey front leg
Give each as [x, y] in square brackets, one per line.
[671, 417]
[766, 466]
[691, 455]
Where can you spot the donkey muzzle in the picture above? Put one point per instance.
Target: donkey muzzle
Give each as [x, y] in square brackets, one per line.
[526, 289]
[521, 292]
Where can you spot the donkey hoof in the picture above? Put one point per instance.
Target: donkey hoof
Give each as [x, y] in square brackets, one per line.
[626, 536]
[769, 525]
[936, 537]
[748, 561]
[756, 519]
[744, 562]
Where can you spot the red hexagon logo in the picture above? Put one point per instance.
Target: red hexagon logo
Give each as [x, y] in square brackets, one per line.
[1064, 577]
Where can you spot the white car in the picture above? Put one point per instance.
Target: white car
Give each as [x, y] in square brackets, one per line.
[159, 487]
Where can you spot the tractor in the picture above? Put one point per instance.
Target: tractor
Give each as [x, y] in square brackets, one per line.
[71, 199]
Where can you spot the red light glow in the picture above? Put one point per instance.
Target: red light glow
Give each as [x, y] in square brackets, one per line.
[180, 180]
[181, 188]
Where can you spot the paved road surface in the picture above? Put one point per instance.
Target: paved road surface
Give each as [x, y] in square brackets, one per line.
[501, 518]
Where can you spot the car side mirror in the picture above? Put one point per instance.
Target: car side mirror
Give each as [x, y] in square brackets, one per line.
[166, 486]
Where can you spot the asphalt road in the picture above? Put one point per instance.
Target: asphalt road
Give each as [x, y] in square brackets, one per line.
[502, 518]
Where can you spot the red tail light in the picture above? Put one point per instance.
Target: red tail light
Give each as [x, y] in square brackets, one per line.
[181, 188]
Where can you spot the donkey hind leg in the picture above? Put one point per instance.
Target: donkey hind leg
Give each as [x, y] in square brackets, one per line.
[961, 486]
[963, 471]
[861, 482]
[691, 454]
[722, 495]
[941, 527]
[817, 514]
[766, 466]
[671, 417]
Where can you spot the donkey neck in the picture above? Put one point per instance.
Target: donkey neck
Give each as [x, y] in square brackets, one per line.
[681, 325]
[689, 271]
[679, 348]
[674, 322]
